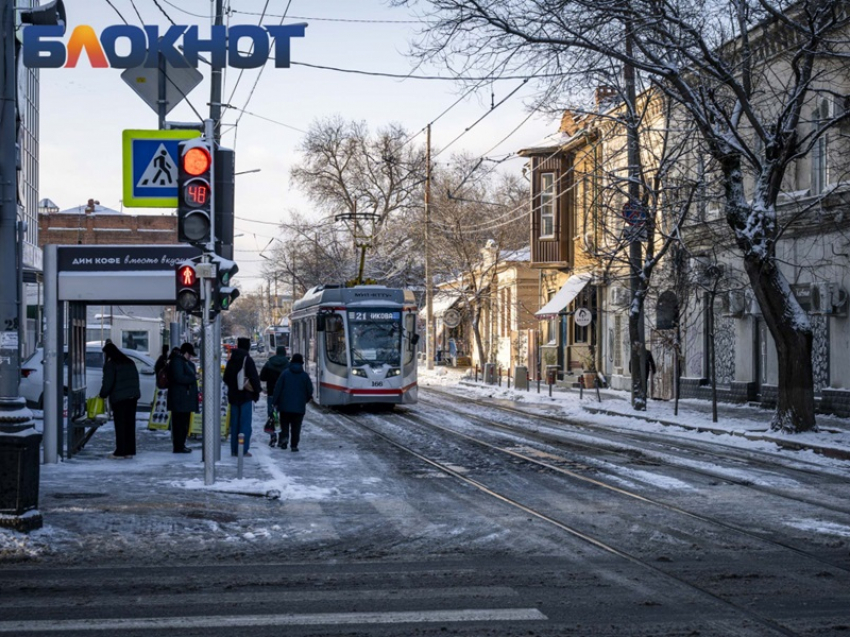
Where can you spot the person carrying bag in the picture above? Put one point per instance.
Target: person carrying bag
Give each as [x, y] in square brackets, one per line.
[243, 390]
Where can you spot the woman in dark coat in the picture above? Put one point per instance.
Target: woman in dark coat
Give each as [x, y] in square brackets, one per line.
[182, 395]
[121, 386]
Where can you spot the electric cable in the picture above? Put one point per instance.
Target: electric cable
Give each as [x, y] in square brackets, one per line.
[123, 19]
[159, 6]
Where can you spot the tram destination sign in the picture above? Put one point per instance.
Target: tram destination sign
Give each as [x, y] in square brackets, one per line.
[373, 315]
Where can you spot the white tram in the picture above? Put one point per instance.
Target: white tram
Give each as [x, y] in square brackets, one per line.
[359, 343]
[277, 335]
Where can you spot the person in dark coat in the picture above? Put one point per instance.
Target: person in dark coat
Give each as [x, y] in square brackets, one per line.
[241, 399]
[162, 361]
[182, 395]
[293, 391]
[271, 371]
[121, 386]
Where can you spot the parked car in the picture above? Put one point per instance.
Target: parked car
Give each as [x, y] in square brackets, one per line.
[32, 375]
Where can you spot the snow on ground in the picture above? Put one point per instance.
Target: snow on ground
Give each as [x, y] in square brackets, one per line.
[738, 426]
[269, 475]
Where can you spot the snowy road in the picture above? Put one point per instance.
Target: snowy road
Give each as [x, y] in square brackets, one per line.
[354, 536]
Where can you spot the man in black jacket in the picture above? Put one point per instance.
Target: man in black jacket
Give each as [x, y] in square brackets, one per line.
[269, 374]
[243, 390]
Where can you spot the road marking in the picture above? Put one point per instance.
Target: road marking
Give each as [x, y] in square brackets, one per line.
[240, 621]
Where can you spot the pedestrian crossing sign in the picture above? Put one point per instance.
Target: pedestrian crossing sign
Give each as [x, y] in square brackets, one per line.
[150, 167]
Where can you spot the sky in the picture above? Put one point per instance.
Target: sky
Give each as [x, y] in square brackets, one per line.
[85, 110]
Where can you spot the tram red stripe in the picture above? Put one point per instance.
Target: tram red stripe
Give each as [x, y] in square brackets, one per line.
[369, 392]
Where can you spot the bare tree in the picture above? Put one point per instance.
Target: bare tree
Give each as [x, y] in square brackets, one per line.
[478, 217]
[747, 72]
[363, 180]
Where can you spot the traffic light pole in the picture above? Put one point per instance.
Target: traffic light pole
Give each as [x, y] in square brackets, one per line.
[212, 373]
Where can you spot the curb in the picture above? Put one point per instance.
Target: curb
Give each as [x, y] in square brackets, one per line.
[783, 443]
[828, 452]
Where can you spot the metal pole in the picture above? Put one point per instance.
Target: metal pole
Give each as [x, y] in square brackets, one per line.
[211, 428]
[429, 292]
[16, 474]
[215, 116]
[161, 103]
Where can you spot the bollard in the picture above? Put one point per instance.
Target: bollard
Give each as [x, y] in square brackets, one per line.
[500, 376]
[509, 377]
[476, 373]
[580, 387]
[596, 385]
[240, 456]
[550, 390]
[538, 382]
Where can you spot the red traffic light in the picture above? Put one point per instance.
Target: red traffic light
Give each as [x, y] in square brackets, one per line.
[186, 275]
[196, 161]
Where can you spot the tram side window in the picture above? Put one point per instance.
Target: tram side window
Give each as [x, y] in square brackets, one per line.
[409, 331]
[335, 339]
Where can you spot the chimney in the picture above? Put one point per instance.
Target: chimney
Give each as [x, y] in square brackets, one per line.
[604, 96]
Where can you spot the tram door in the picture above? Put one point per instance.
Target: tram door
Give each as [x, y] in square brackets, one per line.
[76, 380]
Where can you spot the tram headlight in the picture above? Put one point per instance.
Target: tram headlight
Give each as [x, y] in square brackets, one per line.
[359, 372]
[395, 371]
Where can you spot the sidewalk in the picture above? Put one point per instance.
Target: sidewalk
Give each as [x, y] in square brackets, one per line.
[749, 422]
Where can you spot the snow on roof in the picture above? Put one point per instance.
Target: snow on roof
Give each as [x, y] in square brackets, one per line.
[548, 144]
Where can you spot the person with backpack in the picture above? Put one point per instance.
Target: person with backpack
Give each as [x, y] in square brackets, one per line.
[243, 390]
[269, 374]
[121, 386]
[182, 395]
[293, 391]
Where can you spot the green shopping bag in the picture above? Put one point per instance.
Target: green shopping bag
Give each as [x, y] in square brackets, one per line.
[95, 406]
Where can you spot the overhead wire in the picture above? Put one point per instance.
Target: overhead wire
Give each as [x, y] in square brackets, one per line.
[159, 6]
[114, 8]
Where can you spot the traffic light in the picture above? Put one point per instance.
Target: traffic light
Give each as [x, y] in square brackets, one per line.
[225, 293]
[194, 191]
[188, 291]
[225, 174]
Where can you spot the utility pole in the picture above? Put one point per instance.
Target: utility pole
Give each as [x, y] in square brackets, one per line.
[636, 316]
[19, 440]
[429, 292]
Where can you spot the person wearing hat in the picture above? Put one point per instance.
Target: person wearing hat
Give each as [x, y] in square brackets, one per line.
[182, 395]
[121, 386]
[292, 392]
[243, 390]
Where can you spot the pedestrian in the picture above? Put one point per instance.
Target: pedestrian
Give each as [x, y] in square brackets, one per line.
[162, 361]
[121, 386]
[243, 390]
[182, 395]
[293, 391]
[269, 374]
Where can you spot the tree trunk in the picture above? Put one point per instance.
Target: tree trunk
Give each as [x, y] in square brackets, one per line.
[792, 332]
[476, 331]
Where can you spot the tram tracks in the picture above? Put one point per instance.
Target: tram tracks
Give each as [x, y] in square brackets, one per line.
[662, 450]
[387, 428]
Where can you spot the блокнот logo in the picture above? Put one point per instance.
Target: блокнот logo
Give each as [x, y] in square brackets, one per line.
[42, 49]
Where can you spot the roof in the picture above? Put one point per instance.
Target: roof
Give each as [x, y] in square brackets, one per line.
[98, 210]
[548, 144]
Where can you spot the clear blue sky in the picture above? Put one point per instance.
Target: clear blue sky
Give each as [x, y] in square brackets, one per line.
[84, 110]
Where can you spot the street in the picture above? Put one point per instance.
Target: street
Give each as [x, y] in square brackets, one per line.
[437, 519]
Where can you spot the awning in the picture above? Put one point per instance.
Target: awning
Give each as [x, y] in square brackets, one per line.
[440, 304]
[564, 296]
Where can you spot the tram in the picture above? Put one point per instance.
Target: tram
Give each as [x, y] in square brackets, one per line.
[358, 343]
[277, 335]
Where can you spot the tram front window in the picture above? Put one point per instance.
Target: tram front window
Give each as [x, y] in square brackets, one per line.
[375, 338]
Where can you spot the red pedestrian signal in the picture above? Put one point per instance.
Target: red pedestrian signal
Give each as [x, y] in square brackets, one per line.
[188, 292]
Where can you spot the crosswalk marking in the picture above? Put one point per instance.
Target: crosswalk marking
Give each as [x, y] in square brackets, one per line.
[240, 621]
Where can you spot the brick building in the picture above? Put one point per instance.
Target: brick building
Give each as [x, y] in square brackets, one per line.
[93, 224]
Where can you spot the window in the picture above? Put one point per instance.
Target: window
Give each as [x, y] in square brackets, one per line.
[335, 339]
[820, 165]
[410, 332]
[94, 359]
[547, 206]
[618, 340]
[135, 340]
